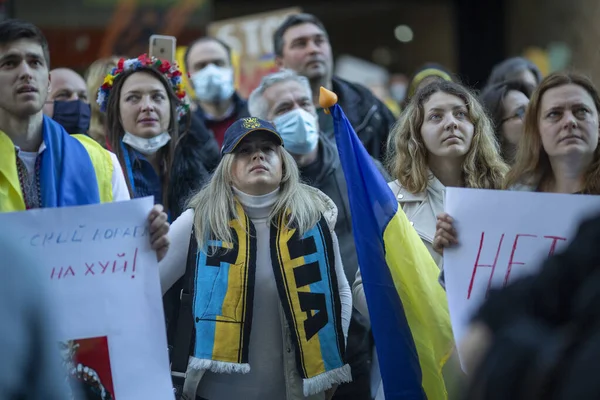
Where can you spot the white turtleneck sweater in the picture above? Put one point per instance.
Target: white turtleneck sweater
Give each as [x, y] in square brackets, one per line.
[266, 377]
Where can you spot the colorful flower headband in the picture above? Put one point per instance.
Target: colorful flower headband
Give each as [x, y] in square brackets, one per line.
[170, 71]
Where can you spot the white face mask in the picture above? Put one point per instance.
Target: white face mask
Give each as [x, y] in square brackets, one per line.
[299, 131]
[146, 146]
[213, 84]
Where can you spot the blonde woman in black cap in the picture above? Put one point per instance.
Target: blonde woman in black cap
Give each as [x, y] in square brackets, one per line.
[269, 303]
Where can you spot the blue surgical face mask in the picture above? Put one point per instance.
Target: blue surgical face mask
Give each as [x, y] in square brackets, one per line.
[299, 131]
[73, 115]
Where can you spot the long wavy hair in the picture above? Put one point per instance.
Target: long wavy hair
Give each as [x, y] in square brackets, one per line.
[532, 166]
[407, 159]
[94, 77]
[214, 205]
[116, 132]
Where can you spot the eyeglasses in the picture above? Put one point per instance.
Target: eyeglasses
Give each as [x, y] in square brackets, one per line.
[519, 113]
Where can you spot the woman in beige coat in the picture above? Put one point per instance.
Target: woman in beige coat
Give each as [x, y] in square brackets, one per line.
[443, 138]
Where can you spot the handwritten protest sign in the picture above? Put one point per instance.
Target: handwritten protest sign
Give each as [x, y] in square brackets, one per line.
[102, 277]
[503, 235]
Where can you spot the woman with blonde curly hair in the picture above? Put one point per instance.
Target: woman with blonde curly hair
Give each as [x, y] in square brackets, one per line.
[94, 77]
[443, 138]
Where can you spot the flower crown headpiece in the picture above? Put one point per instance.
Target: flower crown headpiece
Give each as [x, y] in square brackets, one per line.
[170, 71]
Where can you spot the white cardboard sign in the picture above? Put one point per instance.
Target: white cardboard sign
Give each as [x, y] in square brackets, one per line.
[503, 235]
[102, 277]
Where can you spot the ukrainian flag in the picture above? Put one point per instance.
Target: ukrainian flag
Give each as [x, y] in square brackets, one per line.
[407, 306]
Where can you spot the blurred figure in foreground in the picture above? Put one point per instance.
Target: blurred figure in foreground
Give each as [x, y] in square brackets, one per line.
[30, 363]
[539, 338]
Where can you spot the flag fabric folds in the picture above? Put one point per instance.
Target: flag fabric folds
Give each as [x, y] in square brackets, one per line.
[407, 306]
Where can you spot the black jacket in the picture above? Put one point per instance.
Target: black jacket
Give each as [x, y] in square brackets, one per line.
[196, 156]
[326, 174]
[370, 118]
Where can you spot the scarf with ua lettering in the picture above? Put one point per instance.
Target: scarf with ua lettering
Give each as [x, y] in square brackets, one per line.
[304, 268]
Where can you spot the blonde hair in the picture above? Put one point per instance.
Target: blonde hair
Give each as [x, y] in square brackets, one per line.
[214, 205]
[483, 167]
[94, 77]
[532, 165]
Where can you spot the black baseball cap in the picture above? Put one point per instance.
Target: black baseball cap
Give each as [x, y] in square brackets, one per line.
[242, 128]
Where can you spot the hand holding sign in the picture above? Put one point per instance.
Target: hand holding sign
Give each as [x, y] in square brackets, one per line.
[159, 229]
[445, 234]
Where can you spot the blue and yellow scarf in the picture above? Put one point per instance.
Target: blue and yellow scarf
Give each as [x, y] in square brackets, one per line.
[68, 175]
[304, 268]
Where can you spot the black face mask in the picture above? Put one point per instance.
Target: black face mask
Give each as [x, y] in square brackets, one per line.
[73, 115]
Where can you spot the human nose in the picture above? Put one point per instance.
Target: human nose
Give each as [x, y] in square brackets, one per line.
[147, 104]
[313, 47]
[570, 120]
[24, 71]
[451, 123]
[258, 154]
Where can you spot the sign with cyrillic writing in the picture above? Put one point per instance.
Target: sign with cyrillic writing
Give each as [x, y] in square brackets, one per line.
[503, 235]
[102, 278]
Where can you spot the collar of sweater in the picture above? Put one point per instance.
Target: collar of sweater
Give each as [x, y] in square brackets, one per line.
[257, 207]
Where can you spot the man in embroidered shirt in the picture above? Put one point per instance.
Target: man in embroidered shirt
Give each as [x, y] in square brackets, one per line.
[24, 86]
[208, 61]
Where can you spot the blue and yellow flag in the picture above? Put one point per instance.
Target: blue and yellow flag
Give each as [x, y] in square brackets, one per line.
[407, 306]
[74, 171]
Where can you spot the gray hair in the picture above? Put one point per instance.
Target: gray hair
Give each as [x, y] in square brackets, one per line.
[257, 105]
